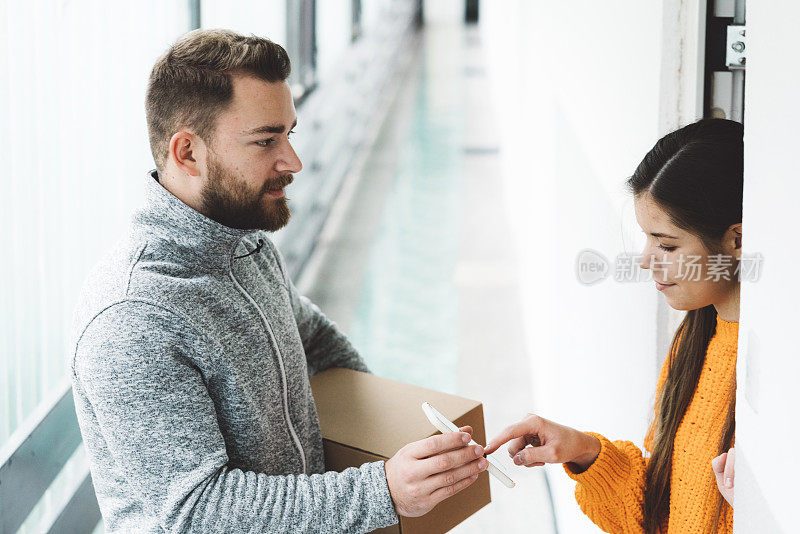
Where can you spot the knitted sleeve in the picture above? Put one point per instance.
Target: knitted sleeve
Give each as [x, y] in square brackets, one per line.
[611, 490]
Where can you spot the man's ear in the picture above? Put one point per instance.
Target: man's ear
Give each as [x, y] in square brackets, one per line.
[187, 151]
[733, 240]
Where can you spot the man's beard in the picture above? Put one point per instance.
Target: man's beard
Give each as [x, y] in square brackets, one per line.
[228, 201]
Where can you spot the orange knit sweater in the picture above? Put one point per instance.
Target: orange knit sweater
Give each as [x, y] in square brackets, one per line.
[611, 490]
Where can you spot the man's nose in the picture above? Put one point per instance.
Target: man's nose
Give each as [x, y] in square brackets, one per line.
[289, 162]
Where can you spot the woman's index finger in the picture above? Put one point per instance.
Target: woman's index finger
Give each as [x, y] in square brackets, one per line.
[517, 430]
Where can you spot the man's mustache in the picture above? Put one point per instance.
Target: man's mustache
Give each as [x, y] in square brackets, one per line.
[277, 183]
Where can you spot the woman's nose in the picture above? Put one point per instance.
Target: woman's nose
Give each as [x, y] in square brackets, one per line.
[646, 260]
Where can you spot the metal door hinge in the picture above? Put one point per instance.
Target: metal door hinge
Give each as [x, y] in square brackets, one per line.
[735, 55]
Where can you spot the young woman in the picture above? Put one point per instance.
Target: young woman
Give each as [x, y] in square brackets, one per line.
[688, 199]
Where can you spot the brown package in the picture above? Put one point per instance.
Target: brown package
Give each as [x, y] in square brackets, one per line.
[366, 418]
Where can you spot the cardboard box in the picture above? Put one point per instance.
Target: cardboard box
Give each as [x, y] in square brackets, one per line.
[366, 418]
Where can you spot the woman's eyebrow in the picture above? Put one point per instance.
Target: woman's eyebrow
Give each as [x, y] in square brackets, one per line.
[657, 234]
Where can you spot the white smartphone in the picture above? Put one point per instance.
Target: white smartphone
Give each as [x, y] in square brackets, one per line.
[443, 424]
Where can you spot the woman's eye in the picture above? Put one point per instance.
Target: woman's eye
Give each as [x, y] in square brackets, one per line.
[665, 248]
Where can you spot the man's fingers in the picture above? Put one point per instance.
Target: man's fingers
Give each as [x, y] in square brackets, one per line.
[434, 445]
[449, 460]
[448, 478]
[729, 469]
[467, 429]
[448, 491]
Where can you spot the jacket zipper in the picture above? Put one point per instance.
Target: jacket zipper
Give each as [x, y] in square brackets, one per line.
[280, 364]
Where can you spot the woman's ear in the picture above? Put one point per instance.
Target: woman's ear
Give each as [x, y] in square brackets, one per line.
[733, 240]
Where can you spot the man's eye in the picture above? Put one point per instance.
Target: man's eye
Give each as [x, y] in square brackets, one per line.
[265, 142]
[290, 133]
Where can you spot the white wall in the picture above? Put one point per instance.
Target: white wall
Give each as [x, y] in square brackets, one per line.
[579, 108]
[768, 397]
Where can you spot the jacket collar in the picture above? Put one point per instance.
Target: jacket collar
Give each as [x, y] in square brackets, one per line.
[192, 236]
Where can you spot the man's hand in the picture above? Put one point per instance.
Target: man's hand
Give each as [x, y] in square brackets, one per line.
[723, 470]
[426, 472]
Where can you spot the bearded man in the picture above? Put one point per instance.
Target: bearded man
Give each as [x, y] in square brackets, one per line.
[192, 347]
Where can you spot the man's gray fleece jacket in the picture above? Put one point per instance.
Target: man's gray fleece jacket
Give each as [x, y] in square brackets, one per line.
[191, 362]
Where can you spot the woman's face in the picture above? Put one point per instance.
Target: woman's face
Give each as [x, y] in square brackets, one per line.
[689, 275]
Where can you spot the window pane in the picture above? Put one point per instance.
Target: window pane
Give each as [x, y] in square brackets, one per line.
[265, 18]
[74, 147]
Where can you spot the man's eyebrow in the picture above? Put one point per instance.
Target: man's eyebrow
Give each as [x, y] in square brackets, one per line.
[270, 128]
[657, 234]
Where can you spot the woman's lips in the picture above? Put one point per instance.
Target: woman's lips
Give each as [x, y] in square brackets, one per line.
[662, 287]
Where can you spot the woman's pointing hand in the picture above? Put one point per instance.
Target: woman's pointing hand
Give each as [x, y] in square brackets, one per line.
[535, 441]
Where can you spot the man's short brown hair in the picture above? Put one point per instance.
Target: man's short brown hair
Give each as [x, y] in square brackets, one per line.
[191, 84]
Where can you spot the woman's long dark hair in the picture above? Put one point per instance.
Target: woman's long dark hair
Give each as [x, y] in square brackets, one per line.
[695, 175]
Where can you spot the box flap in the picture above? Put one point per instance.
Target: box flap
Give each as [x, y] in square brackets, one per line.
[376, 414]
